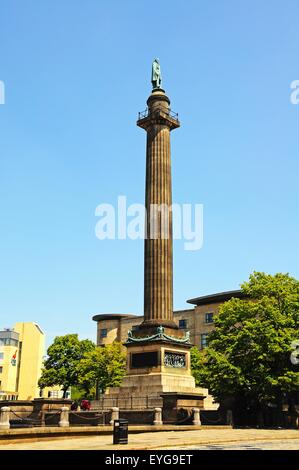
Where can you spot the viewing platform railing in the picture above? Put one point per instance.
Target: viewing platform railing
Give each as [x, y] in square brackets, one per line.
[144, 114]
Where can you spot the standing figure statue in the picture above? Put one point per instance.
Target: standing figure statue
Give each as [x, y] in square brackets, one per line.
[156, 74]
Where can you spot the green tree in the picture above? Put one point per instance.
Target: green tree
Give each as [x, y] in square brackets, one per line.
[102, 367]
[78, 393]
[63, 356]
[248, 356]
[197, 364]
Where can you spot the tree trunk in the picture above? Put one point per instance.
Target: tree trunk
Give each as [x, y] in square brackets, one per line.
[97, 390]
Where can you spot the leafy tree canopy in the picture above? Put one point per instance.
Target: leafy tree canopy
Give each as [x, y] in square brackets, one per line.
[105, 366]
[249, 351]
[61, 365]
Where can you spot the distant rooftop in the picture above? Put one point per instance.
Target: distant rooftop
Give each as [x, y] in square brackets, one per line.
[203, 300]
[112, 316]
[219, 297]
[9, 334]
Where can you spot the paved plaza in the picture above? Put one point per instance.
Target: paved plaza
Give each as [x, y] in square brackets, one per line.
[285, 444]
[212, 439]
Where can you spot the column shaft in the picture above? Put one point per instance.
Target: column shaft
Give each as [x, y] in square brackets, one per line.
[158, 284]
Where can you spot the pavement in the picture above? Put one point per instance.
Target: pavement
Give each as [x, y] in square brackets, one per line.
[285, 444]
[205, 439]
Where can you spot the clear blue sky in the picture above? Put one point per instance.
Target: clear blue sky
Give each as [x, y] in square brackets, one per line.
[76, 74]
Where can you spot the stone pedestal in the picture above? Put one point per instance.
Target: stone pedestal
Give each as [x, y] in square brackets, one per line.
[64, 417]
[196, 417]
[4, 417]
[114, 414]
[158, 417]
[159, 375]
[178, 406]
[157, 362]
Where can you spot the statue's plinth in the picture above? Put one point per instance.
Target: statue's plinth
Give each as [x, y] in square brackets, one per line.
[158, 350]
[158, 90]
[158, 367]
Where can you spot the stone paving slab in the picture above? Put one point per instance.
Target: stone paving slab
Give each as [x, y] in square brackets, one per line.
[53, 431]
[285, 444]
[159, 440]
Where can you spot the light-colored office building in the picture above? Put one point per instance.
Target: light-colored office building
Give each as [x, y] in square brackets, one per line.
[199, 320]
[21, 357]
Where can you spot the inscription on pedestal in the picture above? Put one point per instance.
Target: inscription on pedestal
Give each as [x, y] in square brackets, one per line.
[146, 359]
[174, 360]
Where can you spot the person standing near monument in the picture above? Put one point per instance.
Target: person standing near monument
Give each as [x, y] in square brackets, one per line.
[85, 405]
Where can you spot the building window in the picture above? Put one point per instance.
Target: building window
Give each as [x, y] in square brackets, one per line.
[210, 317]
[8, 342]
[183, 324]
[1, 355]
[1, 369]
[103, 333]
[204, 340]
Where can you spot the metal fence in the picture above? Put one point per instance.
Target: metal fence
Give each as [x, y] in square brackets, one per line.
[27, 419]
[146, 402]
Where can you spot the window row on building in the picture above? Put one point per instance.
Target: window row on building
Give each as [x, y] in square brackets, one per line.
[209, 318]
[199, 320]
[183, 324]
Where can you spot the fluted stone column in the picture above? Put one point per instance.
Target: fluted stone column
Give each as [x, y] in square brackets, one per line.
[158, 267]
